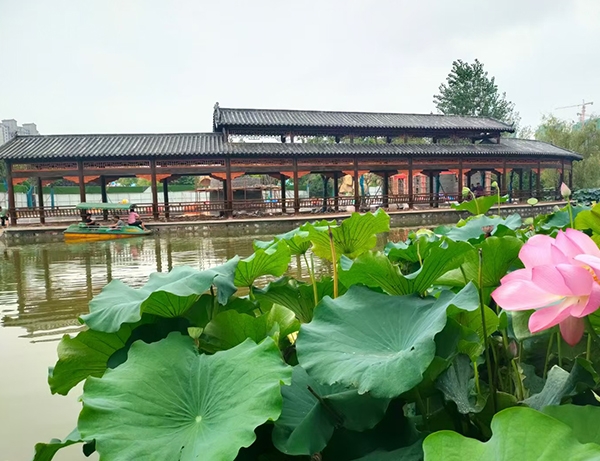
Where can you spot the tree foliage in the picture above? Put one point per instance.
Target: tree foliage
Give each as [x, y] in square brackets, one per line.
[584, 140]
[470, 91]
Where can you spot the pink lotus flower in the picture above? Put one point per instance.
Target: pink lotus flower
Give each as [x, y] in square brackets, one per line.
[560, 281]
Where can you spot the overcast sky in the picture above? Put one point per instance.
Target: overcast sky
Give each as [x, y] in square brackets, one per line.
[98, 66]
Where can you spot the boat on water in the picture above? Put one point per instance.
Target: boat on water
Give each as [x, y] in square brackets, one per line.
[83, 232]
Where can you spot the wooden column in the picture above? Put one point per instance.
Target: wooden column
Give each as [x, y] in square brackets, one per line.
[296, 193]
[520, 183]
[538, 183]
[411, 194]
[12, 209]
[336, 190]
[154, 188]
[228, 186]
[166, 197]
[41, 200]
[104, 196]
[81, 177]
[356, 184]
[504, 179]
[325, 192]
[283, 207]
[430, 174]
[461, 180]
[385, 189]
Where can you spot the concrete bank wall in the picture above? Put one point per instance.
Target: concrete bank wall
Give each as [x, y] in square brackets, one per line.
[270, 226]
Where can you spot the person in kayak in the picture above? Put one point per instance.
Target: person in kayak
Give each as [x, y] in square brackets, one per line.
[134, 219]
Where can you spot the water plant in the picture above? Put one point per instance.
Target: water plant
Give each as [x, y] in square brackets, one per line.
[442, 347]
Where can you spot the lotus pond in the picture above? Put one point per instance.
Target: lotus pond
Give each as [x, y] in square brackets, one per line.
[478, 341]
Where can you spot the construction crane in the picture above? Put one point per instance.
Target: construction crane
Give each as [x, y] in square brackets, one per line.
[582, 113]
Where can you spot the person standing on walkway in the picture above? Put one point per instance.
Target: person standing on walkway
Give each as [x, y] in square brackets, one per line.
[2, 217]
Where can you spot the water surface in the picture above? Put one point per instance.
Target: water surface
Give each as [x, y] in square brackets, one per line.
[43, 290]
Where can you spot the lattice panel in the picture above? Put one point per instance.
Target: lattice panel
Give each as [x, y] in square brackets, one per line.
[325, 162]
[113, 164]
[189, 163]
[259, 162]
[45, 166]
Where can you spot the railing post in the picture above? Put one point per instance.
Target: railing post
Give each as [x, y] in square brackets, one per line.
[336, 191]
[461, 179]
[296, 191]
[386, 189]
[228, 185]
[411, 196]
[283, 194]
[166, 197]
[356, 186]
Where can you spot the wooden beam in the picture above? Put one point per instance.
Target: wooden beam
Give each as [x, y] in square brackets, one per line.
[12, 209]
[40, 190]
[154, 188]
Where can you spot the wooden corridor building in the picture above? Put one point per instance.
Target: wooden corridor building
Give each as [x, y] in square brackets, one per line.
[333, 144]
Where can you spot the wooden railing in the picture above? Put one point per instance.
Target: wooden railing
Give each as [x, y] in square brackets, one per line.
[206, 210]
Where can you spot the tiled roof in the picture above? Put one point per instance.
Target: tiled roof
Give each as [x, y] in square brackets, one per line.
[211, 144]
[110, 145]
[248, 119]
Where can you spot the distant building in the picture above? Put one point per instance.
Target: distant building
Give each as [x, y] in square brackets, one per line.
[9, 129]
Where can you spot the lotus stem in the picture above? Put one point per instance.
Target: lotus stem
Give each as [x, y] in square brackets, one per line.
[548, 350]
[311, 273]
[422, 408]
[592, 335]
[559, 347]
[334, 262]
[485, 336]
[588, 349]
[419, 254]
[570, 210]
[337, 417]
[498, 194]
[476, 371]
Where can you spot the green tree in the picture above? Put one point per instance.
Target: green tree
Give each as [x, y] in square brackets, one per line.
[584, 140]
[470, 91]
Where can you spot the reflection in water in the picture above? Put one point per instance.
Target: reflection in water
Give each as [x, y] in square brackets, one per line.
[45, 287]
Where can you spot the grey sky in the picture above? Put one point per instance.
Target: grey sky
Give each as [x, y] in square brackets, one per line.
[74, 66]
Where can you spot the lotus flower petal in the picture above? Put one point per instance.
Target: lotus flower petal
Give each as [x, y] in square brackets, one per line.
[550, 279]
[523, 295]
[537, 251]
[572, 329]
[577, 279]
[591, 261]
[586, 244]
[567, 245]
[588, 305]
[542, 319]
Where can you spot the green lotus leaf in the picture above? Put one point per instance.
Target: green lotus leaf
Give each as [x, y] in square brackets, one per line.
[472, 229]
[297, 240]
[583, 420]
[457, 385]
[208, 307]
[295, 295]
[182, 405]
[587, 219]
[273, 260]
[311, 411]
[377, 343]
[471, 340]
[413, 452]
[86, 354]
[166, 295]
[353, 237]
[46, 451]
[520, 434]
[560, 384]
[375, 270]
[412, 251]
[230, 328]
[499, 254]
[479, 205]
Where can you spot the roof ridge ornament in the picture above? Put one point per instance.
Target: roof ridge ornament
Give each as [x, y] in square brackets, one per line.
[216, 116]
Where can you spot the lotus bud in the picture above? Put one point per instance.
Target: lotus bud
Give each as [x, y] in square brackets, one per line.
[194, 332]
[466, 191]
[565, 191]
[495, 184]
